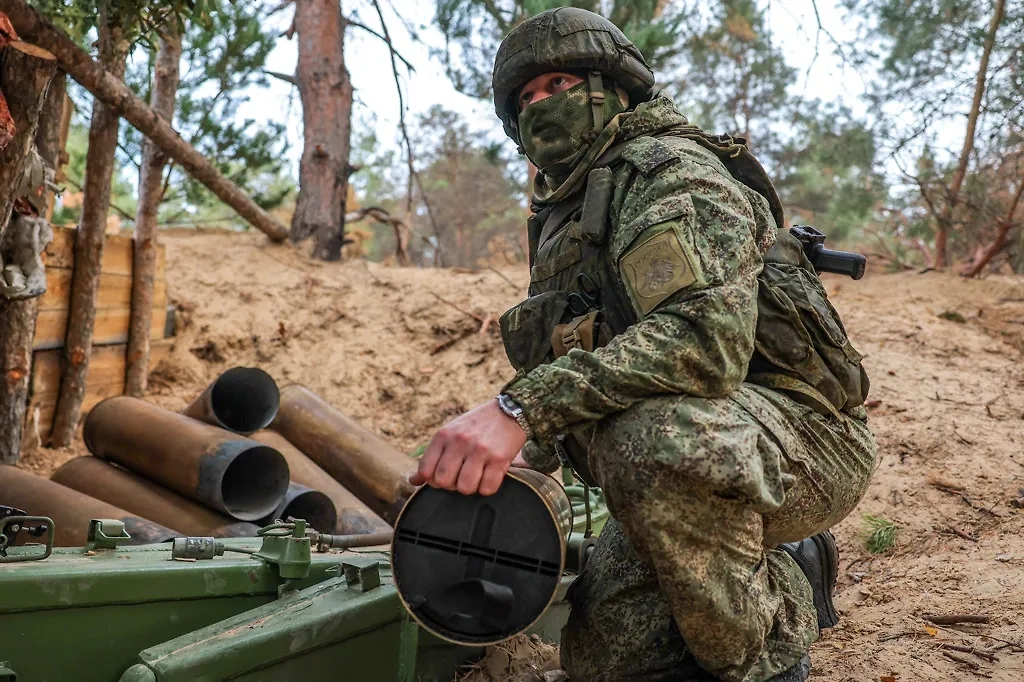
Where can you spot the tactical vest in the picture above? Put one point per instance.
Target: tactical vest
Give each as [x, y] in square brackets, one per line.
[577, 298]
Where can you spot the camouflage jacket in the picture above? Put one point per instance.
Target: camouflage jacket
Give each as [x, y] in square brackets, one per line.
[685, 242]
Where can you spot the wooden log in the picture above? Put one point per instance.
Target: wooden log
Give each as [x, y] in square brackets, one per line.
[99, 167]
[112, 90]
[24, 77]
[21, 315]
[7, 125]
[165, 86]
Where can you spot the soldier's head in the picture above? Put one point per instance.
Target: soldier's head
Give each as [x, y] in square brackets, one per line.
[560, 77]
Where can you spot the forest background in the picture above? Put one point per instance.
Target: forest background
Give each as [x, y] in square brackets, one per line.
[894, 126]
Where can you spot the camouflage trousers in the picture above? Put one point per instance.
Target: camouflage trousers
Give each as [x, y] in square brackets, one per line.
[701, 492]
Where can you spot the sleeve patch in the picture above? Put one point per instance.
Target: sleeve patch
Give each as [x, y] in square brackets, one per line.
[656, 269]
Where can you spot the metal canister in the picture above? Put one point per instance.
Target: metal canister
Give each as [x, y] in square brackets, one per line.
[476, 570]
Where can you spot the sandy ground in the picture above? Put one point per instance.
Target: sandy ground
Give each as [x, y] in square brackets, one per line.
[403, 350]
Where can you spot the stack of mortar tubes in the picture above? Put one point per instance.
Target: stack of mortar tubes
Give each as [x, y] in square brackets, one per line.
[199, 473]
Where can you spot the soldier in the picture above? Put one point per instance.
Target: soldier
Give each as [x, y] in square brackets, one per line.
[678, 350]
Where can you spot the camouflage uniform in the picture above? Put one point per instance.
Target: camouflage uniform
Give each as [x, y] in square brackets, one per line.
[704, 473]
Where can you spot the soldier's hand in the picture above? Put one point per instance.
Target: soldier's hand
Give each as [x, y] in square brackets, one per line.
[472, 453]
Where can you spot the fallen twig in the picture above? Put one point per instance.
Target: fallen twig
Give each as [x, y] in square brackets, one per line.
[504, 277]
[1016, 646]
[962, 661]
[455, 307]
[986, 655]
[959, 533]
[956, 618]
[960, 438]
[450, 341]
[901, 633]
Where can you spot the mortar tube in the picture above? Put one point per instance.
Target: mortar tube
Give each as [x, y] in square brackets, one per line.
[71, 511]
[354, 517]
[301, 502]
[242, 478]
[368, 466]
[242, 399]
[117, 486]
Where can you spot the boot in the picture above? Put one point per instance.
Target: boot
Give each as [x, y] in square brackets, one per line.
[818, 558]
[798, 673]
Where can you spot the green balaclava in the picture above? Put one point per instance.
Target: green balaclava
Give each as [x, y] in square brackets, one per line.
[557, 131]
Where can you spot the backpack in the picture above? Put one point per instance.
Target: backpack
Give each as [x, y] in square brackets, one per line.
[801, 346]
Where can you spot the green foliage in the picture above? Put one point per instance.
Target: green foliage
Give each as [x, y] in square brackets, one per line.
[221, 61]
[69, 209]
[474, 28]
[881, 534]
[827, 172]
[136, 20]
[735, 80]
[926, 55]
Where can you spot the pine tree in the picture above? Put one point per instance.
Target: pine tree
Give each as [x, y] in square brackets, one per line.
[946, 65]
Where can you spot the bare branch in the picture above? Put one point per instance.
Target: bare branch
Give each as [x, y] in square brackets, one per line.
[394, 52]
[402, 125]
[997, 245]
[283, 76]
[285, 4]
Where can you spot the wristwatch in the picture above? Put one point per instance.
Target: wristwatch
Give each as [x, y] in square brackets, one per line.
[512, 409]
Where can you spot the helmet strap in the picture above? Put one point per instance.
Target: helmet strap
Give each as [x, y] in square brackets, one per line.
[596, 85]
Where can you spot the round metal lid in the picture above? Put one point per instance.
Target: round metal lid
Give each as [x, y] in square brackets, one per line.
[474, 569]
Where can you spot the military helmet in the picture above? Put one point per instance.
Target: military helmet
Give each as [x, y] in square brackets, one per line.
[565, 39]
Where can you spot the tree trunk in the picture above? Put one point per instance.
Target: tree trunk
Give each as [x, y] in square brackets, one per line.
[26, 73]
[99, 167]
[326, 93]
[114, 92]
[953, 195]
[165, 87]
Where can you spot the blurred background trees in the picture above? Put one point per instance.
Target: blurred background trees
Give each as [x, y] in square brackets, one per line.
[923, 168]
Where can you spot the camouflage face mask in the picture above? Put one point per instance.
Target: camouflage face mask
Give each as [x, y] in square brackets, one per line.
[556, 130]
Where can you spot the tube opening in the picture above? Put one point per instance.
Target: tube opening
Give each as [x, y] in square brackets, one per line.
[313, 506]
[245, 399]
[254, 483]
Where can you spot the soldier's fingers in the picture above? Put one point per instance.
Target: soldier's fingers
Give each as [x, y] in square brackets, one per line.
[447, 472]
[493, 476]
[428, 462]
[470, 474]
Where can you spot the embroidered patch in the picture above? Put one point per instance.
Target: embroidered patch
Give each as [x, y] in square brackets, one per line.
[657, 269]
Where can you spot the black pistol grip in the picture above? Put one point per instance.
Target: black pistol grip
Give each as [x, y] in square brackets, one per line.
[838, 262]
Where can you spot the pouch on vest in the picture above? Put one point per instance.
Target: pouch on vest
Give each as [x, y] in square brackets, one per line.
[800, 336]
[526, 329]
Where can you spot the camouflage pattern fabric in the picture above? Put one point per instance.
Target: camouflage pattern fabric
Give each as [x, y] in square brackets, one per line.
[703, 473]
[700, 489]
